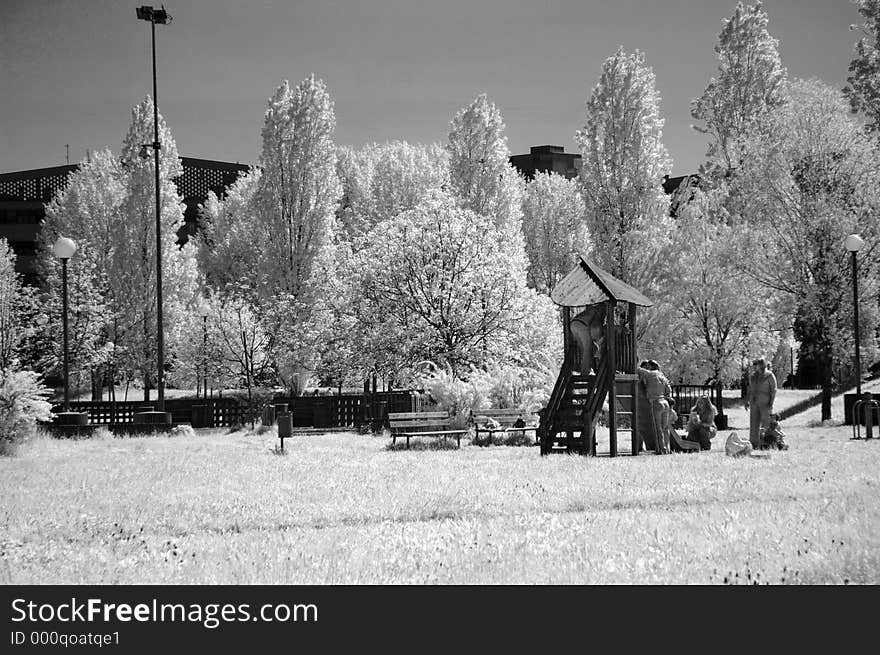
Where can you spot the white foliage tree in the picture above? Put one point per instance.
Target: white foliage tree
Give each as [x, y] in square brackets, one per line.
[481, 176]
[749, 84]
[227, 250]
[88, 210]
[863, 84]
[811, 178]
[16, 307]
[432, 285]
[133, 264]
[713, 311]
[554, 229]
[624, 162]
[381, 180]
[294, 204]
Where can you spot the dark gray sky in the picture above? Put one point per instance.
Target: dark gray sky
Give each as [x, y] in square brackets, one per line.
[398, 69]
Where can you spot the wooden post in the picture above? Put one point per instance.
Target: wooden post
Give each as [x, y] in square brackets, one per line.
[610, 336]
[636, 436]
[566, 333]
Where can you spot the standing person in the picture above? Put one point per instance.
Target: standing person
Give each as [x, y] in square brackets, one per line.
[659, 393]
[762, 394]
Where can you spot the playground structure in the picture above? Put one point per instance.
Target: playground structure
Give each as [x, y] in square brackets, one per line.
[599, 324]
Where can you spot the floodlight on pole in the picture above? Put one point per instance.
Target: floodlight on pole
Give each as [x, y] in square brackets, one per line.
[161, 17]
[64, 249]
[854, 243]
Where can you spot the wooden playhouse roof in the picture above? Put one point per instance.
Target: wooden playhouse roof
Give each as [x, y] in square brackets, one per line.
[587, 284]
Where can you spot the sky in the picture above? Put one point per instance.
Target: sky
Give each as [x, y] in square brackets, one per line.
[70, 70]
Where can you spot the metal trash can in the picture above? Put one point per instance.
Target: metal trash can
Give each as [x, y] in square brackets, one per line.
[285, 427]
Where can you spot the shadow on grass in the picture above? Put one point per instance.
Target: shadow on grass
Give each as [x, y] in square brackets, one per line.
[422, 444]
[515, 439]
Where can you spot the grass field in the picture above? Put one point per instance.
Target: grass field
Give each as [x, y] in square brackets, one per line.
[222, 508]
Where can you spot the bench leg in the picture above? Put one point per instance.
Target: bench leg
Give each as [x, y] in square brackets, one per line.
[458, 440]
[407, 442]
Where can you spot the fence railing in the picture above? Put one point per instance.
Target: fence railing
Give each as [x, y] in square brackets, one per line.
[339, 411]
[685, 396]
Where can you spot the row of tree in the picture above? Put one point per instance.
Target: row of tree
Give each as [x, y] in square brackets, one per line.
[331, 264]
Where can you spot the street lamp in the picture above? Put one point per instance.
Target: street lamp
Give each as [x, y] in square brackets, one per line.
[64, 249]
[854, 243]
[161, 17]
[204, 310]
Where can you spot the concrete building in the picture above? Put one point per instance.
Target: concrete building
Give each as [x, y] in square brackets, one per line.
[547, 159]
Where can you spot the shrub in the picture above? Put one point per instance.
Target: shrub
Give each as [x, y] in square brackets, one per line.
[457, 396]
[504, 439]
[23, 402]
[500, 387]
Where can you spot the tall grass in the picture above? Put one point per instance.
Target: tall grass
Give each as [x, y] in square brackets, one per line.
[221, 508]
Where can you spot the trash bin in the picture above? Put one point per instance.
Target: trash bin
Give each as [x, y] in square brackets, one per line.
[285, 425]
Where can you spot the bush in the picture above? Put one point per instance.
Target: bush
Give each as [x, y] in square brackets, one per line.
[23, 402]
[504, 439]
[457, 396]
[500, 387]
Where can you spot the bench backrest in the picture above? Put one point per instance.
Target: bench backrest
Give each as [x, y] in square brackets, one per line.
[504, 417]
[418, 421]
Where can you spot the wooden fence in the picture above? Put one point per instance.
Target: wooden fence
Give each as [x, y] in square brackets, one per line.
[339, 411]
[348, 410]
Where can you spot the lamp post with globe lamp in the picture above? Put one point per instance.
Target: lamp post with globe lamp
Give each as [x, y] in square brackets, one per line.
[65, 248]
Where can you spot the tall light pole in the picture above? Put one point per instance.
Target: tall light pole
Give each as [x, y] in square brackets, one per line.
[204, 310]
[64, 249]
[161, 17]
[854, 243]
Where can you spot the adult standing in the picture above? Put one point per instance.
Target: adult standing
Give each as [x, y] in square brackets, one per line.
[659, 394]
[762, 394]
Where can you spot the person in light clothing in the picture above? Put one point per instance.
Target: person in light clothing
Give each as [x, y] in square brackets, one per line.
[659, 393]
[762, 394]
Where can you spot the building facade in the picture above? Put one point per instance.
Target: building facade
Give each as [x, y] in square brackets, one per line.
[547, 159]
[24, 194]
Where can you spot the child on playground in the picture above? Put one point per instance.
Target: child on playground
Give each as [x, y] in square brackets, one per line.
[773, 436]
[701, 423]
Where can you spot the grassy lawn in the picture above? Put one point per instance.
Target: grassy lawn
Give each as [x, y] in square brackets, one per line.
[222, 508]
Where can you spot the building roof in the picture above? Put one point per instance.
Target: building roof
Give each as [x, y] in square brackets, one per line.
[588, 284]
[199, 176]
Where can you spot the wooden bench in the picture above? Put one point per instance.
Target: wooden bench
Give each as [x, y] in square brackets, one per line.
[505, 419]
[422, 424]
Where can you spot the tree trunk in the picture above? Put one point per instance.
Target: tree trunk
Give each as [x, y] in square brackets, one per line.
[97, 385]
[827, 385]
[826, 399]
